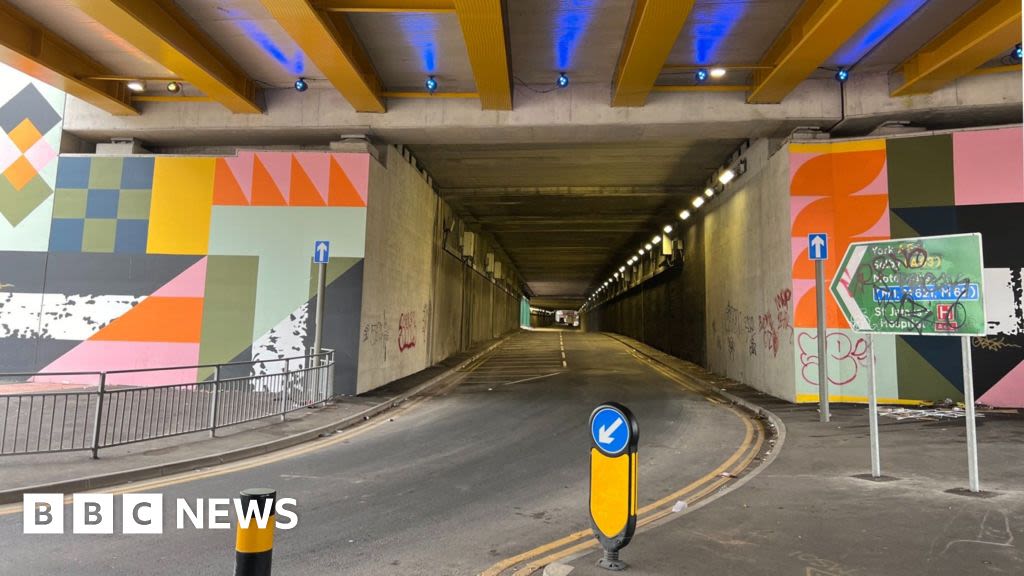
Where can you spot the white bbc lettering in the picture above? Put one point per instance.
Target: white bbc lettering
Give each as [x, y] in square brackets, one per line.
[292, 519]
[194, 516]
[43, 513]
[92, 513]
[142, 514]
[217, 508]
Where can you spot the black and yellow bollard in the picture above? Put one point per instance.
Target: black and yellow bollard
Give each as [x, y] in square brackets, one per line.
[254, 546]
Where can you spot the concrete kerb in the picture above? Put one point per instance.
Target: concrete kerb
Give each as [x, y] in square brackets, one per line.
[145, 473]
[562, 567]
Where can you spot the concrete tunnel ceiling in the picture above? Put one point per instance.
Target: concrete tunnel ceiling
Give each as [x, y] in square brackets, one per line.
[559, 210]
[566, 181]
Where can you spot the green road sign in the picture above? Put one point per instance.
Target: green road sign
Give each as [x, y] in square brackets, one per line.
[914, 286]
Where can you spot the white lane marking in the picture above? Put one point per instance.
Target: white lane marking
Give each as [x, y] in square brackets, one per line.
[529, 379]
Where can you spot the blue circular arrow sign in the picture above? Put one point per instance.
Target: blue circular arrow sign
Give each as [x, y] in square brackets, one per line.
[610, 430]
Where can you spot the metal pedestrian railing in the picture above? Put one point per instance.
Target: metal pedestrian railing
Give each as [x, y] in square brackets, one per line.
[105, 409]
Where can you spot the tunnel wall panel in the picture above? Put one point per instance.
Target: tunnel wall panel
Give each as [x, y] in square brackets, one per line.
[746, 239]
[398, 277]
[946, 183]
[423, 299]
[153, 261]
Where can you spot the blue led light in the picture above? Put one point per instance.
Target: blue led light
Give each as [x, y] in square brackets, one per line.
[421, 35]
[431, 84]
[712, 24]
[876, 30]
[701, 75]
[301, 85]
[563, 80]
[295, 64]
[571, 21]
[842, 75]
[1017, 52]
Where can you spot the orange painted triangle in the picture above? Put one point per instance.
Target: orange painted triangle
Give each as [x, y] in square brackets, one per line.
[304, 192]
[157, 319]
[264, 190]
[226, 191]
[341, 192]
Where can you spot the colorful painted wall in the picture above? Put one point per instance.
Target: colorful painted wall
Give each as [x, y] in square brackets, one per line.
[111, 263]
[966, 181]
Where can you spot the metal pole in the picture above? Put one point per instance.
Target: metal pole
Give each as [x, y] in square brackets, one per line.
[321, 293]
[972, 434]
[284, 389]
[99, 416]
[213, 401]
[876, 462]
[819, 292]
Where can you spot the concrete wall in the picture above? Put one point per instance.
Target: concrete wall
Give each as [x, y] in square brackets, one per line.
[397, 277]
[747, 248]
[725, 306]
[423, 300]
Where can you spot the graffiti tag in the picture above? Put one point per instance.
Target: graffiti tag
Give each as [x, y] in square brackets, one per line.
[848, 356]
[406, 331]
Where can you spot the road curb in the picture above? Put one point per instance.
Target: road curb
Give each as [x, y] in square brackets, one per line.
[86, 483]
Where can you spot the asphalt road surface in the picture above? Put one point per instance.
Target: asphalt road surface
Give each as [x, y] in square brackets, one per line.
[452, 483]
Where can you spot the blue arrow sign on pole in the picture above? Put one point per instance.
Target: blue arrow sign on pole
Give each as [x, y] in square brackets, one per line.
[817, 246]
[321, 251]
[610, 430]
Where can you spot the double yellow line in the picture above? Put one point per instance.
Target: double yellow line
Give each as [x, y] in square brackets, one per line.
[533, 560]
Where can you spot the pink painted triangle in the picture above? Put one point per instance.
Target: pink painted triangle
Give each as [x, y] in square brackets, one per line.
[318, 168]
[357, 169]
[1008, 392]
[241, 167]
[279, 166]
[189, 284]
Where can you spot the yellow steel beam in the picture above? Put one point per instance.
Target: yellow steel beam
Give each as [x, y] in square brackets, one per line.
[385, 5]
[34, 50]
[819, 28]
[652, 33]
[328, 40]
[162, 31]
[983, 32]
[486, 36]
[997, 69]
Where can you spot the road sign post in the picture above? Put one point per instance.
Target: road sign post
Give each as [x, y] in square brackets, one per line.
[876, 457]
[817, 250]
[613, 476]
[931, 286]
[321, 255]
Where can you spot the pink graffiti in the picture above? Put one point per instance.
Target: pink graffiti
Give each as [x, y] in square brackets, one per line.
[847, 357]
[406, 331]
[782, 301]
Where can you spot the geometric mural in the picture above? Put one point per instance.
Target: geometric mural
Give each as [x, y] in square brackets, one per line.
[231, 240]
[102, 205]
[30, 130]
[840, 189]
[969, 181]
[291, 179]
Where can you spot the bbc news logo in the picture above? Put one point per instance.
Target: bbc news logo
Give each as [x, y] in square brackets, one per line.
[144, 513]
